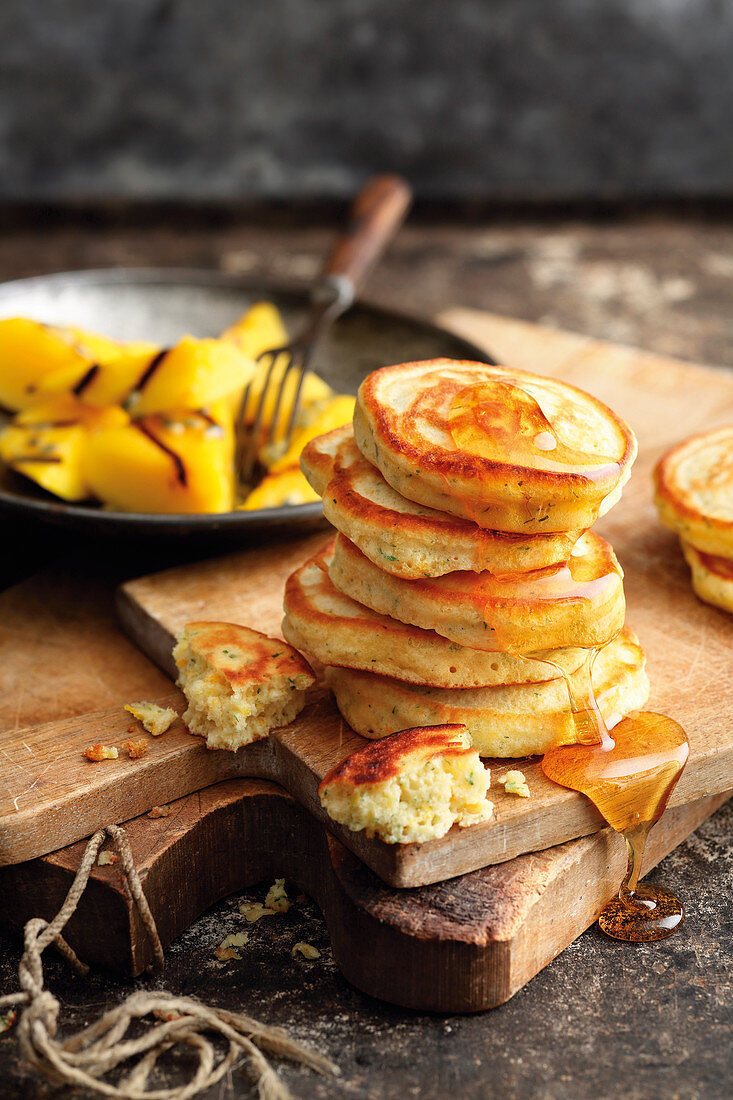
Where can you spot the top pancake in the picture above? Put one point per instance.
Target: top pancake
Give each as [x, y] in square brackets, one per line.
[694, 491]
[408, 539]
[503, 477]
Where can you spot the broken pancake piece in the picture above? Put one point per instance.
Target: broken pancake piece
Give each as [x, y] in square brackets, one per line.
[239, 683]
[154, 719]
[410, 787]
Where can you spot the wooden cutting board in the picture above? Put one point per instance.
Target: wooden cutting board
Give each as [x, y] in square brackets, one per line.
[462, 945]
[54, 796]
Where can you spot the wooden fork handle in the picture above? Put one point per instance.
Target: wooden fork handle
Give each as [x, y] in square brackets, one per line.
[375, 216]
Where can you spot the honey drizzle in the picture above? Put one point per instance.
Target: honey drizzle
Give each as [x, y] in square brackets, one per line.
[630, 775]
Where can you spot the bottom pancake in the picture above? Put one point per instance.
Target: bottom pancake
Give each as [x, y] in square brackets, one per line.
[712, 576]
[503, 721]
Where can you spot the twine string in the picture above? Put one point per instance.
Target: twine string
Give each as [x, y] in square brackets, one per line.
[84, 1059]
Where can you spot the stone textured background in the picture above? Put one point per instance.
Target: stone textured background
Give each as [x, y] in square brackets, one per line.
[488, 99]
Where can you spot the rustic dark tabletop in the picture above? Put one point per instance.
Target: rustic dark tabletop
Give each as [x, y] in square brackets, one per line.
[604, 1020]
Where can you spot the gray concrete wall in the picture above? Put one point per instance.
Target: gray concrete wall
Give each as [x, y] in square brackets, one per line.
[228, 99]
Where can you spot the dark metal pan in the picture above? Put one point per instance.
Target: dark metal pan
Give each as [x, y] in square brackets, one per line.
[160, 305]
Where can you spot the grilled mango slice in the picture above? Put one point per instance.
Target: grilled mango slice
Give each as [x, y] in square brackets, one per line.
[289, 487]
[190, 375]
[174, 462]
[46, 443]
[257, 330]
[30, 351]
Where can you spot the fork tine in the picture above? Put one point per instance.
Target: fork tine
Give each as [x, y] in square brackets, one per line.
[293, 364]
[249, 452]
[303, 364]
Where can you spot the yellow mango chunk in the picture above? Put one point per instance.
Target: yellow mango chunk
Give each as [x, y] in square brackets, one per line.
[190, 375]
[100, 349]
[29, 351]
[46, 443]
[338, 411]
[174, 462]
[258, 330]
[289, 487]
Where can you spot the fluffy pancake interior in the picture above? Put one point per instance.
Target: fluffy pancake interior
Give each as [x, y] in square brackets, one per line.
[239, 684]
[410, 787]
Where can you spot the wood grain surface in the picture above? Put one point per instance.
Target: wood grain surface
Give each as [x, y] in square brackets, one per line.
[51, 792]
[458, 946]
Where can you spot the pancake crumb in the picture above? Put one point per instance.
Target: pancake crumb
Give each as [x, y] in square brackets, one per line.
[96, 753]
[160, 811]
[135, 749]
[515, 782]
[277, 899]
[154, 719]
[307, 950]
[226, 949]
[252, 911]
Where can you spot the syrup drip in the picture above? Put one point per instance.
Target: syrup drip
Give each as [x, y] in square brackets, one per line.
[628, 775]
[577, 581]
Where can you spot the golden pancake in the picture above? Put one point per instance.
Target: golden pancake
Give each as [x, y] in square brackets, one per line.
[510, 721]
[337, 630]
[694, 491]
[510, 450]
[712, 576]
[410, 787]
[580, 604]
[408, 539]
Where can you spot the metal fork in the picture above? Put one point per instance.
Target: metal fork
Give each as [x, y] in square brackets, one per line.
[375, 216]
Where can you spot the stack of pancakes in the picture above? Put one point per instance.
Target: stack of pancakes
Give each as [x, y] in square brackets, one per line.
[463, 585]
[694, 496]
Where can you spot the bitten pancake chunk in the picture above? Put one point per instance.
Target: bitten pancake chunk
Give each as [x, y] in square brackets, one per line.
[239, 683]
[410, 787]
